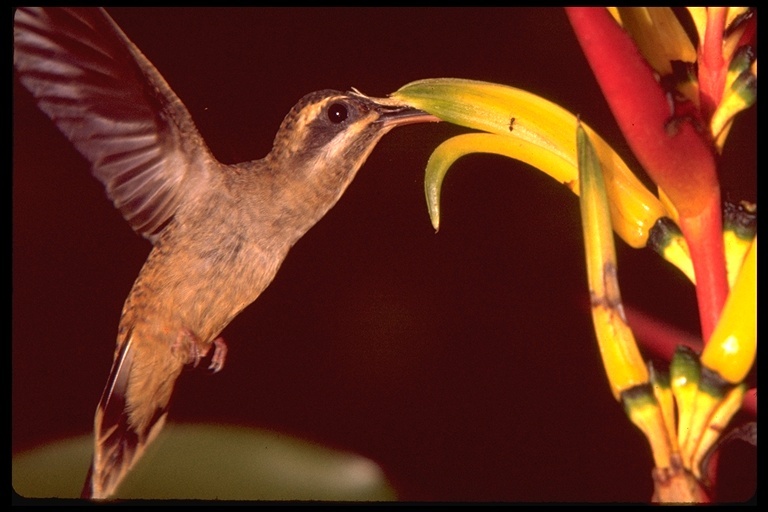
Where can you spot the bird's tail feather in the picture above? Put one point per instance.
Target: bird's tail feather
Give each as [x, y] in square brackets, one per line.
[119, 440]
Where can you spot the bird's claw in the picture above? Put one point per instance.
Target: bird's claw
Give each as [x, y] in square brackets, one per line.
[198, 349]
[219, 355]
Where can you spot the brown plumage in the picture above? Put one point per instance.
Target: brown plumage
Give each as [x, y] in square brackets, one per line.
[220, 232]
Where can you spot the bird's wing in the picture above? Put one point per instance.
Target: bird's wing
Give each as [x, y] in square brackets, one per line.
[116, 109]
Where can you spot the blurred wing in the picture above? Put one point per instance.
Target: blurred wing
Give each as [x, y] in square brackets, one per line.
[116, 109]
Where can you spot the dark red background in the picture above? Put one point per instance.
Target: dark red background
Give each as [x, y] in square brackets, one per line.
[463, 362]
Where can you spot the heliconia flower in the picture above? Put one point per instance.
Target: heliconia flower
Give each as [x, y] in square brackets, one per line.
[675, 102]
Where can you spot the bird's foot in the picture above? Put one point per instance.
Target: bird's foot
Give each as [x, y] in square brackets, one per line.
[219, 355]
[197, 349]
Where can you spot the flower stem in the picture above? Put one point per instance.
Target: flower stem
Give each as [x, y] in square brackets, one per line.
[712, 68]
[703, 233]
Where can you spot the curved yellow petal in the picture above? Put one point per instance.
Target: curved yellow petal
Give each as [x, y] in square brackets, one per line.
[519, 115]
[519, 149]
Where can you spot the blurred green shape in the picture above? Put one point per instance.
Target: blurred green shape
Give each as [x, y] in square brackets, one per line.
[211, 462]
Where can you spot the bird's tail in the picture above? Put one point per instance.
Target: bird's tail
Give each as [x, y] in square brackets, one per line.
[123, 427]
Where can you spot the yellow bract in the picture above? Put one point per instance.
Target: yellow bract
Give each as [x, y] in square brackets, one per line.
[621, 357]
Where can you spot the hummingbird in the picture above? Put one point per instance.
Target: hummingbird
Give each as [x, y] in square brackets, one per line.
[219, 232]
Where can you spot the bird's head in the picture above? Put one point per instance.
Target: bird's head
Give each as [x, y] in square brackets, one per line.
[333, 129]
[320, 146]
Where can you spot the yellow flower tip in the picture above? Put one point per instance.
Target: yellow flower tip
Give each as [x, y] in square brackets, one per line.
[736, 22]
[739, 228]
[666, 239]
[663, 393]
[659, 36]
[732, 348]
[721, 415]
[740, 93]
[643, 410]
[684, 368]
[614, 11]
[711, 391]
[699, 17]
[735, 16]
[684, 378]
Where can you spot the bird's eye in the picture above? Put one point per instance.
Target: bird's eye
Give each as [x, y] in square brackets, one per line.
[337, 113]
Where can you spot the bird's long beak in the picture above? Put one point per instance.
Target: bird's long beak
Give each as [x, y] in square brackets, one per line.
[396, 113]
[392, 116]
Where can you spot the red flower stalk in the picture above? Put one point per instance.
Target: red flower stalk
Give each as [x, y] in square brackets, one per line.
[711, 65]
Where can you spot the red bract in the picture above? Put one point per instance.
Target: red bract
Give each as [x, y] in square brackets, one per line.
[675, 152]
